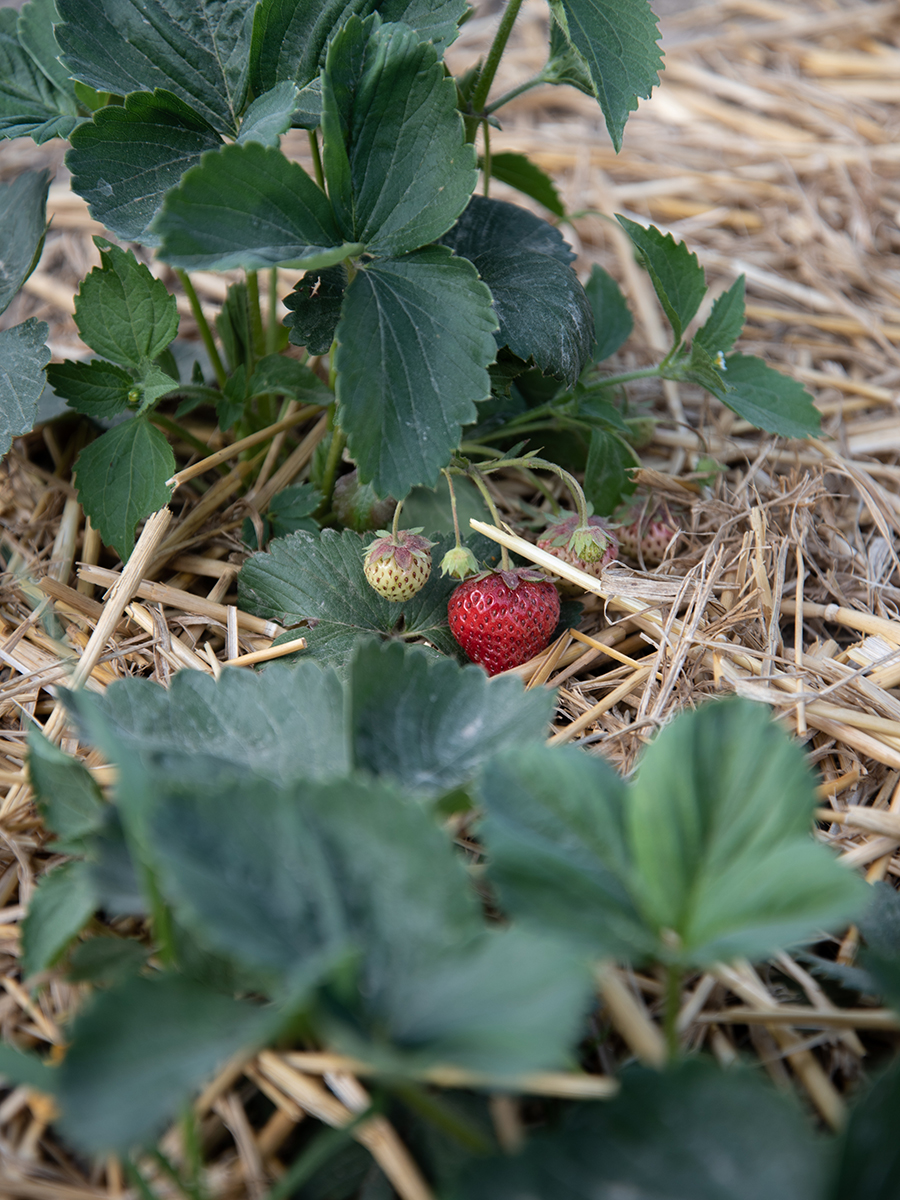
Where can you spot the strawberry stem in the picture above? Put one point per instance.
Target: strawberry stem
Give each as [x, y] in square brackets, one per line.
[453, 511]
[395, 526]
[477, 478]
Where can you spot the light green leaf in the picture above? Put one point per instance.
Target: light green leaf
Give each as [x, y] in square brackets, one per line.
[69, 800]
[125, 161]
[429, 723]
[703, 370]
[62, 904]
[677, 276]
[305, 576]
[138, 1050]
[123, 313]
[35, 28]
[769, 399]
[22, 223]
[723, 326]
[613, 322]
[96, 388]
[248, 206]
[152, 386]
[414, 342]
[269, 116]
[398, 166]
[23, 357]
[121, 478]
[618, 41]
[30, 105]
[199, 51]
[521, 173]
[565, 65]
[693, 1131]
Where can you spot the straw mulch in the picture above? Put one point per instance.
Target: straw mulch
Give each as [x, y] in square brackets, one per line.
[771, 147]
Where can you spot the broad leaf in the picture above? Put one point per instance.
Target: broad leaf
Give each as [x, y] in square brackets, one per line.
[321, 578]
[98, 389]
[269, 116]
[704, 370]
[69, 800]
[125, 161]
[30, 105]
[557, 848]
[677, 276]
[494, 225]
[17, 1067]
[138, 1050]
[398, 166]
[718, 824]
[723, 326]
[768, 399]
[430, 507]
[314, 308]
[414, 341]
[612, 317]
[62, 904]
[565, 64]
[22, 223]
[869, 1159]
[694, 1131]
[23, 356]
[283, 724]
[429, 723]
[618, 41]
[880, 927]
[607, 475]
[35, 28]
[123, 313]
[286, 377]
[248, 206]
[153, 384]
[199, 51]
[121, 478]
[292, 508]
[521, 173]
[105, 960]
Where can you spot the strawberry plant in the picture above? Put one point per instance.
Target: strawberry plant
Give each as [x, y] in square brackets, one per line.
[369, 852]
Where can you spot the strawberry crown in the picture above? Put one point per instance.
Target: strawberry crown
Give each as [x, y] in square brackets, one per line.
[406, 548]
[588, 542]
[513, 577]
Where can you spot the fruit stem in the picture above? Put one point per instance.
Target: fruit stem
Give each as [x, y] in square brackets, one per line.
[530, 461]
[486, 158]
[203, 328]
[272, 322]
[396, 525]
[672, 1009]
[477, 478]
[317, 158]
[489, 70]
[453, 511]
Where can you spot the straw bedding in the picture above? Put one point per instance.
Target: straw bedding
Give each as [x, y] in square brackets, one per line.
[771, 148]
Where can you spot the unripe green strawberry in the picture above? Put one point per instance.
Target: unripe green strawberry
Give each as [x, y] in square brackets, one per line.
[590, 548]
[645, 529]
[398, 566]
[503, 618]
[459, 562]
[357, 506]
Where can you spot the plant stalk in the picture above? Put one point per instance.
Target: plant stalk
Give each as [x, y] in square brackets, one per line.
[475, 475]
[203, 327]
[272, 322]
[492, 62]
[536, 81]
[317, 158]
[672, 1009]
[453, 511]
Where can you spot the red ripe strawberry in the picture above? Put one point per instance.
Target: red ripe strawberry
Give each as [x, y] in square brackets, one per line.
[646, 527]
[598, 545]
[503, 618]
[398, 566]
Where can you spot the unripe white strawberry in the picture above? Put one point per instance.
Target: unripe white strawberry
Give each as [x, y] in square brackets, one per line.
[398, 565]
[645, 528]
[591, 548]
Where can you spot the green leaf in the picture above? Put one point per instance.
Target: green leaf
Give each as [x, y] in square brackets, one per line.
[768, 399]
[321, 578]
[398, 166]
[869, 1155]
[69, 800]
[435, 21]
[17, 1068]
[23, 205]
[520, 172]
[281, 724]
[287, 377]
[105, 960]
[693, 1131]
[125, 161]
[565, 64]
[292, 509]
[723, 326]
[557, 847]
[677, 276]
[123, 313]
[23, 357]
[35, 28]
[96, 388]
[248, 206]
[121, 478]
[880, 927]
[62, 904]
[152, 386]
[430, 507]
[618, 41]
[30, 105]
[315, 308]
[607, 476]
[429, 723]
[613, 322]
[199, 52]
[137, 1052]
[414, 341]
[493, 225]
[703, 370]
[269, 116]
[719, 829]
